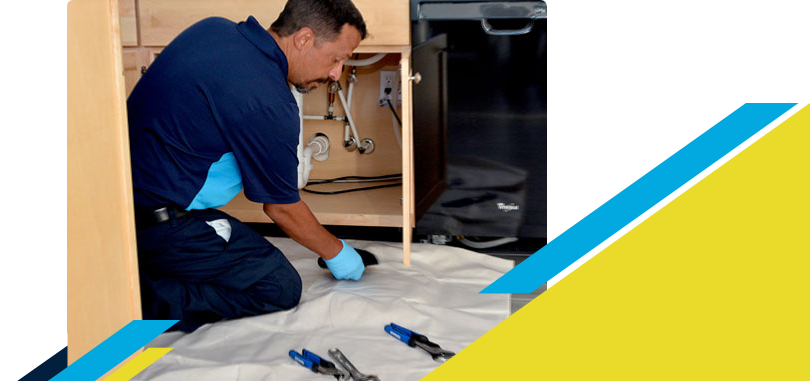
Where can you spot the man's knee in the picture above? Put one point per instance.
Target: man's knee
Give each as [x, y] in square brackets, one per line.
[279, 290]
[292, 293]
[290, 284]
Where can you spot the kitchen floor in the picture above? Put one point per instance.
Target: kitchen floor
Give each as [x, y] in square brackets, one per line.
[517, 252]
[520, 300]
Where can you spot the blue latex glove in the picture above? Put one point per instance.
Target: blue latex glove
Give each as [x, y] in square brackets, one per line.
[347, 264]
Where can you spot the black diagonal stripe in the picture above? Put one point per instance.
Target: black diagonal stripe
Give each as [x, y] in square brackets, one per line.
[675, 194]
[48, 369]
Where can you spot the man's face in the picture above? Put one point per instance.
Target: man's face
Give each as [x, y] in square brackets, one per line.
[323, 60]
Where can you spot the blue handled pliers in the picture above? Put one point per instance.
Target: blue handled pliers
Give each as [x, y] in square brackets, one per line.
[316, 363]
[414, 339]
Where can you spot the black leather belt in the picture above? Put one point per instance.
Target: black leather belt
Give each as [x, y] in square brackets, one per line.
[145, 217]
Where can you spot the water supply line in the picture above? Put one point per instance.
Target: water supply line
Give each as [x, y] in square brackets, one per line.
[365, 62]
[352, 80]
[364, 145]
[325, 117]
[330, 98]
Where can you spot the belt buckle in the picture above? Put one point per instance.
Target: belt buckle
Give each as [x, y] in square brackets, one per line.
[161, 215]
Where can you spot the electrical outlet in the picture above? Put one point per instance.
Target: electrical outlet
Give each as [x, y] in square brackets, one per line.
[388, 79]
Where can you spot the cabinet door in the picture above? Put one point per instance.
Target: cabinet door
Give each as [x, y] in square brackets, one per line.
[387, 21]
[102, 281]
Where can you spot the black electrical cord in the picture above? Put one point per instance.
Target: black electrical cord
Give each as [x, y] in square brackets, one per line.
[391, 106]
[395, 176]
[353, 189]
[371, 178]
[393, 111]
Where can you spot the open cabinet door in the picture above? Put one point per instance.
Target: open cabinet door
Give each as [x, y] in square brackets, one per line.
[102, 281]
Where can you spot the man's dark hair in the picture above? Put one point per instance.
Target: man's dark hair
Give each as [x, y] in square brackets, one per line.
[324, 17]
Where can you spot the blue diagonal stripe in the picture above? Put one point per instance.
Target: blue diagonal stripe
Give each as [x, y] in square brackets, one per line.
[639, 197]
[114, 350]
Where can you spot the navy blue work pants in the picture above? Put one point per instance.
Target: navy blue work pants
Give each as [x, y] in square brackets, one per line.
[190, 273]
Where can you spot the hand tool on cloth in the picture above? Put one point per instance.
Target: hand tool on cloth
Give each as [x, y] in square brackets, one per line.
[414, 339]
[316, 363]
[368, 259]
[339, 358]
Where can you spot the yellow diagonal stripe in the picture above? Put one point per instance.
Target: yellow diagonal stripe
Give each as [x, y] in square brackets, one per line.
[137, 364]
[714, 286]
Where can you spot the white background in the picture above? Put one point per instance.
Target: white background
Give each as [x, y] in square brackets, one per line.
[33, 65]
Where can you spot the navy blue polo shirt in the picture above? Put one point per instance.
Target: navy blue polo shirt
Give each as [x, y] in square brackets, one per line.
[211, 115]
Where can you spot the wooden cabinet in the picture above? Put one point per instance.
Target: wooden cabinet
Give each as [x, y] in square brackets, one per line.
[160, 20]
[102, 281]
[388, 25]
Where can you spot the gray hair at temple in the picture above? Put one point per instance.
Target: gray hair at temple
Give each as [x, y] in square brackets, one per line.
[324, 17]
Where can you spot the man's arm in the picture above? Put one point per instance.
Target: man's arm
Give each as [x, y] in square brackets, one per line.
[301, 225]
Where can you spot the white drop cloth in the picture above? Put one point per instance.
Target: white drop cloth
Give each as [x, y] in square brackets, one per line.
[436, 296]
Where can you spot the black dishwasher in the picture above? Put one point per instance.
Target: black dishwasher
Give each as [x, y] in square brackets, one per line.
[479, 117]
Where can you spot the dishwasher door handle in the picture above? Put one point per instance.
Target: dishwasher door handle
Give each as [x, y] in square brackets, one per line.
[506, 32]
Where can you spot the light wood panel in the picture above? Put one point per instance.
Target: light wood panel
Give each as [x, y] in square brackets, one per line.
[133, 62]
[129, 22]
[387, 22]
[102, 284]
[408, 220]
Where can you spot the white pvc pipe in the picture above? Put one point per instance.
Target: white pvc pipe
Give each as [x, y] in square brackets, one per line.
[349, 95]
[315, 147]
[348, 106]
[311, 149]
[299, 100]
[323, 117]
[365, 62]
[349, 117]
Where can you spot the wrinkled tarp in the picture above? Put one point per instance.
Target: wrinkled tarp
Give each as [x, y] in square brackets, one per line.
[436, 296]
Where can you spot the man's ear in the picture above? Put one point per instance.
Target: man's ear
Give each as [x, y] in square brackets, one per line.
[303, 39]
